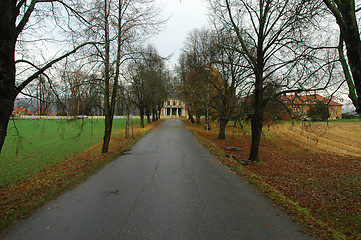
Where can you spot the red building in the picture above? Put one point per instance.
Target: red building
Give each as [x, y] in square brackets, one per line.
[299, 106]
[19, 111]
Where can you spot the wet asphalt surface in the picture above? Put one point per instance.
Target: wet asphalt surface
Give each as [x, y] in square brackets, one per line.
[167, 187]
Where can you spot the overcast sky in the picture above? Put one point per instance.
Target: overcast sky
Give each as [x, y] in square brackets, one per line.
[184, 15]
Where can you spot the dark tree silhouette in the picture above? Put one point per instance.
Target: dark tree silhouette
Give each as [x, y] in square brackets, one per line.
[345, 15]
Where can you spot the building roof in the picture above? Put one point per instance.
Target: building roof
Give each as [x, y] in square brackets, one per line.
[308, 100]
[20, 110]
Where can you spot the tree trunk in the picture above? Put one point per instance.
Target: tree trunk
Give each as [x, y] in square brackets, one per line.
[351, 36]
[207, 120]
[257, 120]
[148, 118]
[351, 86]
[353, 44]
[257, 116]
[159, 110]
[110, 108]
[198, 120]
[256, 125]
[7, 65]
[141, 118]
[154, 116]
[6, 108]
[222, 128]
[106, 104]
[191, 118]
[107, 132]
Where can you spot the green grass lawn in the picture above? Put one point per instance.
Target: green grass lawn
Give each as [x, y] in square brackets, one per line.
[41, 143]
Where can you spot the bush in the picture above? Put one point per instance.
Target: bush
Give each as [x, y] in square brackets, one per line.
[319, 112]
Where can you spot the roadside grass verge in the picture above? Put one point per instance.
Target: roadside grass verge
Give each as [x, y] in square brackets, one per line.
[319, 190]
[32, 145]
[19, 198]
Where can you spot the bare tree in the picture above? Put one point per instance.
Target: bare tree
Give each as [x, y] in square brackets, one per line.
[273, 37]
[226, 79]
[183, 68]
[193, 92]
[197, 64]
[157, 84]
[137, 88]
[80, 91]
[43, 95]
[214, 76]
[16, 20]
[148, 79]
[120, 25]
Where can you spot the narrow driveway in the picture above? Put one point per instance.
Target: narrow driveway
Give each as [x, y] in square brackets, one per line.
[167, 187]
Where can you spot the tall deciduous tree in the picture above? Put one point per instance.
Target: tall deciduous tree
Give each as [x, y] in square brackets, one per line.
[80, 93]
[182, 69]
[15, 18]
[136, 72]
[157, 82]
[120, 24]
[193, 89]
[226, 79]
[197, 63]
[272, 37]
[345, 15]
[213, 76]
[147, 78]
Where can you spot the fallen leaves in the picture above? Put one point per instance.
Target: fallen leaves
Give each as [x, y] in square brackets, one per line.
[325, 186]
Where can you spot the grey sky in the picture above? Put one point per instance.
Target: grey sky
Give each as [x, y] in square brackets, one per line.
[184, 15]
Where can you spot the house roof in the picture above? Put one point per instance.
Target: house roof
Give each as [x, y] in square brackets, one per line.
[308, 100]
[21, 110]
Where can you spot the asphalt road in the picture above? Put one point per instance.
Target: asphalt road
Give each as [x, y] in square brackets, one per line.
[167, 187]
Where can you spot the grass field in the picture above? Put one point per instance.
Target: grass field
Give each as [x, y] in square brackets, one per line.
[32, 145]
[341, 138]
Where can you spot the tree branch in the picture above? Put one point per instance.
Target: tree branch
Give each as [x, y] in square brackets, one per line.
[50, 64]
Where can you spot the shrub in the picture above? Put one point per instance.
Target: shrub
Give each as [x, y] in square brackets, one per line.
[319, 111]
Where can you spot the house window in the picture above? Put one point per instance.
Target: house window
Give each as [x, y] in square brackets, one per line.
[168, 103]
[335, 112]
[174, 102]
